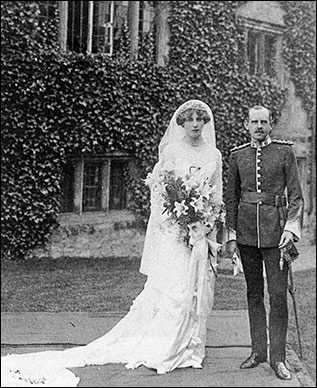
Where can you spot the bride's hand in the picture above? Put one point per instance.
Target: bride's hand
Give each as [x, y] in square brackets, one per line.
[222, 254]
[231, 248]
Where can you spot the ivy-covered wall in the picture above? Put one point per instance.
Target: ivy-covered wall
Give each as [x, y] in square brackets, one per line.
[300, 49]
[55, 104]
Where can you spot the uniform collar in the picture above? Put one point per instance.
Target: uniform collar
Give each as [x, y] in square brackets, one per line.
[256, 144]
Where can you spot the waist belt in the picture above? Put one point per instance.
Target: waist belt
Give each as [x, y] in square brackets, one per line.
[263, 198]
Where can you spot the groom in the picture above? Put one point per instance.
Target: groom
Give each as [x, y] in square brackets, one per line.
[259, 226]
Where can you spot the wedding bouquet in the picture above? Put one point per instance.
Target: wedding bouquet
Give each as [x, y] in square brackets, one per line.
[188, 201]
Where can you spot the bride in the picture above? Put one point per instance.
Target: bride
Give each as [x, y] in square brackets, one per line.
[165, 327]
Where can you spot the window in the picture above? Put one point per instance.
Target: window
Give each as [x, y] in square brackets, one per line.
[117, 197]
[263, 25]
[270, 54]
[92, 187]
[96, 184]
[77, 29]
[90, 26]
[103, 27]
[141, 22]
[47, 9]
[261, 52]
[253, 52]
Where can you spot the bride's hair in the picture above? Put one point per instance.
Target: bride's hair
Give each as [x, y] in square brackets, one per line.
[186, 114]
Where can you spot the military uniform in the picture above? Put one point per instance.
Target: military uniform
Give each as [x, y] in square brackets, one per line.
[263, 198]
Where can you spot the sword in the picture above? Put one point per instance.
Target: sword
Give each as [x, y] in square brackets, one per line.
[289, 255]
[292, 290]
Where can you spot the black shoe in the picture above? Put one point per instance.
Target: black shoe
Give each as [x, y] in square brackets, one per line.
[281, 371]
[251, 362]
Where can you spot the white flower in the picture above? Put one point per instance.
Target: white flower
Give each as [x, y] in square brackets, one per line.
[205, 190]
[160, 188]
[150, 179]
[180, 208]
[198, 204]
[154, 178]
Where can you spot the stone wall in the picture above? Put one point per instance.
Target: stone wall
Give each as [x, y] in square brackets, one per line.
[94, 235]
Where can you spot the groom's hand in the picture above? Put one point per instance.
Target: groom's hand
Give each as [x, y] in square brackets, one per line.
[231, 247]
[286, 239]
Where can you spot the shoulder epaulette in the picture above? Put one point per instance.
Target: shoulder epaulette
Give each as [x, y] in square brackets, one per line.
[280, 141]
[240, 147]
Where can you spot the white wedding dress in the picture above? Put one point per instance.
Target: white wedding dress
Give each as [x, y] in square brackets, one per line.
[165, 327]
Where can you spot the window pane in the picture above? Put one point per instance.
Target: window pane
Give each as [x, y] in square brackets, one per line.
[253, 52]
[77, 26]
[103, 27]
[270, 52]
[67, 186]
[117, 195]
[92, 187]
[141, 22]
[47, 9]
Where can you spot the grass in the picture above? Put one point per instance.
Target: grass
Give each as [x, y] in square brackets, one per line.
[110, 284]
[70, 284]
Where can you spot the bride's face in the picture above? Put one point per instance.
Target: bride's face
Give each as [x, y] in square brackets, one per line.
[194, 125]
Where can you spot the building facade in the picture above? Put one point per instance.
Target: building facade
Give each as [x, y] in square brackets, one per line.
[94, 221]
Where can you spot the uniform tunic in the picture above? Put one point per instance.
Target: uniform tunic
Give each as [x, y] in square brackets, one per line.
[268, 172]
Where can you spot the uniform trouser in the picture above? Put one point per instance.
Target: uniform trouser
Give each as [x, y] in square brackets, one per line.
[252, 260]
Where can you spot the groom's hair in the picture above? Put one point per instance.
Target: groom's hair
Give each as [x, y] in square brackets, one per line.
[187, 114]
[258, 107]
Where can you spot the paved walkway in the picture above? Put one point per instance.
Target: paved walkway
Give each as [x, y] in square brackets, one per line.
[228, 344]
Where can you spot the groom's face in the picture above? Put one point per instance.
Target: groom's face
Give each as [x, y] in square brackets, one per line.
[194, 125]
[259, 124]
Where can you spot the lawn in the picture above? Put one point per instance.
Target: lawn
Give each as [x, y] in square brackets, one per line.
[99, 285]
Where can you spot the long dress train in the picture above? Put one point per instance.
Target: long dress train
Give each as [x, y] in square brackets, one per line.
[165, 327]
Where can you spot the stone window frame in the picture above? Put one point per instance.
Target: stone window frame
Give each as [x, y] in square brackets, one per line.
[264, 30]
[78, 181]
